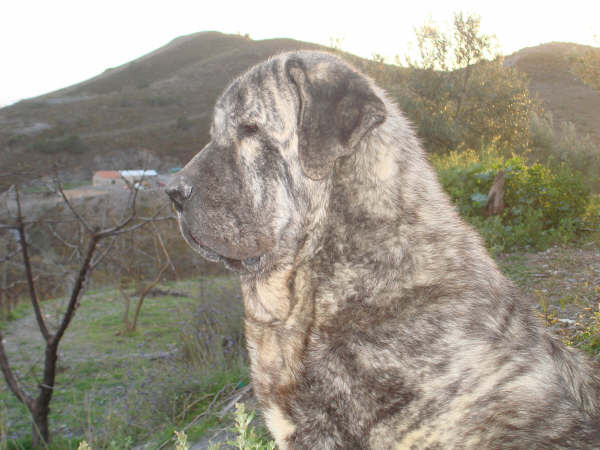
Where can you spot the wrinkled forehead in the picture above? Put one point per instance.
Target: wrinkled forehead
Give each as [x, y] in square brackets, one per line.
[261, 95]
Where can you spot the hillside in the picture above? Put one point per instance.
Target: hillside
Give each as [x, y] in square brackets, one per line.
[559, 90]
[155, 110]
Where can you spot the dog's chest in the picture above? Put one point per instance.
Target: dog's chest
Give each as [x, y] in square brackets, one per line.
[278, 318]
[279, 314]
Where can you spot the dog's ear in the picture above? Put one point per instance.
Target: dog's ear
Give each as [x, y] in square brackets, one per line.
[336, 110]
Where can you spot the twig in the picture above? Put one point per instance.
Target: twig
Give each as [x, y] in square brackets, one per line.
[143, 294]
[131, 207]
[70, 206]
[121, 228]
[63, 240]
[163, 247]
[207, 410]
[199, 416]
[16, 283]
[236, 398]
[100, 258]
[9, 256]
[181, 415]
[15, 226]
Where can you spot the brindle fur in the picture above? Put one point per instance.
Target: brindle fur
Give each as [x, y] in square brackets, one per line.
[374, 316]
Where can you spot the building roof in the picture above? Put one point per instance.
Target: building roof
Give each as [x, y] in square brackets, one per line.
[138, 173]
[108, 174]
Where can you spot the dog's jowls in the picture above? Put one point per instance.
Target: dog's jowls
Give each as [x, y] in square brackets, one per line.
[374, 316]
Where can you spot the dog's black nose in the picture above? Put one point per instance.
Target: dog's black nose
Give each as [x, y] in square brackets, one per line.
[179, 190]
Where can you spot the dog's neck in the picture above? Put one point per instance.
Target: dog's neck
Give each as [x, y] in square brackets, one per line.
[392, 215]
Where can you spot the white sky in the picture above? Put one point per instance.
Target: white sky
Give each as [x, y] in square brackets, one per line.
[49, 44]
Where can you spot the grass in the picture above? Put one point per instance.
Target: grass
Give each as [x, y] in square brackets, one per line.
[117, 390]
[514, 266]
[247, 437]
[19, 311]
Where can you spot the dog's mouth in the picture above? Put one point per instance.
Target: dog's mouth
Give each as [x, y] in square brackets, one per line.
[246, 265]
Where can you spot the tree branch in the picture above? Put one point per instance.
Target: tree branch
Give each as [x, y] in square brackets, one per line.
[60, 238]
[9, 256]
[143, 294]
[131, 207]
[11, 380]
[121, 228]
[77, 288]
[28, 272]
[99, 259]
[70, 206]
[163, 247]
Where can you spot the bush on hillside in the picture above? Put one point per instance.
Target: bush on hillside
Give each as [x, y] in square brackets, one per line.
[69, 144]
[554, 146]
[159, 100]
[586, 65]
[183, 123]
[542, 206]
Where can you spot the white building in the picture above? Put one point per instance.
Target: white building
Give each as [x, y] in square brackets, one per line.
[124, 177]
[137, 176]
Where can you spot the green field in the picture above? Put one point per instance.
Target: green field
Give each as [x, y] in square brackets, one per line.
[118, 389]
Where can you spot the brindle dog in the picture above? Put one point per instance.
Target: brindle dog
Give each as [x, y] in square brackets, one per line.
[374, 316]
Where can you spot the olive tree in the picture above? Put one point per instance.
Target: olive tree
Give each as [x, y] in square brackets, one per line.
[458, 91]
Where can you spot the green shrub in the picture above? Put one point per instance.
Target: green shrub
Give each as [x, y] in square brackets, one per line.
[125, 102]
[542, 207]
[142, 84]
[14, 140]
[183, 123]
[246, 437]
[591, 217]
[70, 144]
[554, 146]
[159, 100]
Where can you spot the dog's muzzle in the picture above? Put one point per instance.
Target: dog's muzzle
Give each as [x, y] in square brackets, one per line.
[179, 190]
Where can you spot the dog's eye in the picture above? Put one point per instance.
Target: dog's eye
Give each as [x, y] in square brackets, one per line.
[248, 129]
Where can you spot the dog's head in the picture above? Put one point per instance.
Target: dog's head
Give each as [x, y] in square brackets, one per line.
[276, 134]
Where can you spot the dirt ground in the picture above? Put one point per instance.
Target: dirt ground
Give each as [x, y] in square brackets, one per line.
[563, 283]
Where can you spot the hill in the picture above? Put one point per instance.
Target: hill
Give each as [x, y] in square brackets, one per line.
[561, 92]
[155, 111]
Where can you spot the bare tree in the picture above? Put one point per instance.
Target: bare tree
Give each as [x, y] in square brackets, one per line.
[134, 271]
[87, 253]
